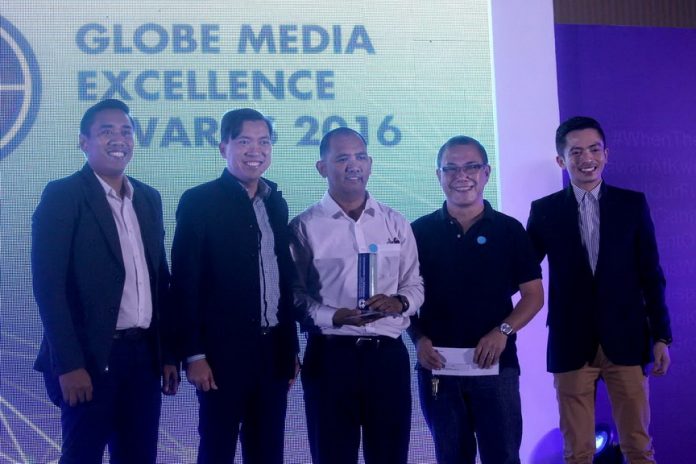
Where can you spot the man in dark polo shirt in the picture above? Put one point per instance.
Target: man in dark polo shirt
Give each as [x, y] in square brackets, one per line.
[473, 260]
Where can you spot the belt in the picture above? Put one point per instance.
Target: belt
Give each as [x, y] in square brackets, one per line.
[363, 341]
[134, 333]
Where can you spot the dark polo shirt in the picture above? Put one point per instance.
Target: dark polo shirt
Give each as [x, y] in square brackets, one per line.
[470, 277]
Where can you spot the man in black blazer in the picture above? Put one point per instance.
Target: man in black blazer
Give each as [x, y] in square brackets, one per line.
[607, 316]
[231, 277]
[100, 281]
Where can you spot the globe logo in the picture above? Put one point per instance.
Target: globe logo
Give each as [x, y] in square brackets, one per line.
[20, 87]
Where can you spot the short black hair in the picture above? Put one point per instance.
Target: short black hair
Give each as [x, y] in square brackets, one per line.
[462, 140]
[573, 124]
[91, 113]
[232, 122]
[326, 139]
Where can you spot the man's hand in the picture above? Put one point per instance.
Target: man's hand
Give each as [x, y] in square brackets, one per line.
[76, 386]
[345, 316]
[489, 348]
[291, 382]
[170, 379]
[385, 304]
[662, 359]
[200, 375]
[428, 357]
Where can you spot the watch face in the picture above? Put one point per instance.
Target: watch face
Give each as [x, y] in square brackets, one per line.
[506, 328]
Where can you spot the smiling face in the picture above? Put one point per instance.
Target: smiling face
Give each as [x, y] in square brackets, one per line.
[347, 167]
[463, 176]
[249, 154]
[584, 157]
[109, 144]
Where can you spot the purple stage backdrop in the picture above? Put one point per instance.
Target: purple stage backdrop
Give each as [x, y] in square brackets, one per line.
[640, 83]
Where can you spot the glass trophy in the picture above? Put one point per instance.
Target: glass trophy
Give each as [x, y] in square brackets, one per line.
[367, 283]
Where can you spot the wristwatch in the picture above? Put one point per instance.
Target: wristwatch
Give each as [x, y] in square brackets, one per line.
[404, 302]
[506, 329]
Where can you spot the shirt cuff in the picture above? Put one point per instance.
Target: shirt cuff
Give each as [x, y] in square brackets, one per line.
[323, 317]
[195, 357]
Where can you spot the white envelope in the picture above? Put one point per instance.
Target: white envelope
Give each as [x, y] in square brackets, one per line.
[460, 361]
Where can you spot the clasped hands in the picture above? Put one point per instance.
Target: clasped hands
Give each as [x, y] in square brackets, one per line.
[387, 305]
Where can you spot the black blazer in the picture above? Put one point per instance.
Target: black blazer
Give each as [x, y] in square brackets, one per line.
[78, 273]
[215, 278]
[622, 306]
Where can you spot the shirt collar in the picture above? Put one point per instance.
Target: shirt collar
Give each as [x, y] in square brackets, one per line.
[580, 193]
[109, 190]
[334, 210]
[487, 212]
[263, 190]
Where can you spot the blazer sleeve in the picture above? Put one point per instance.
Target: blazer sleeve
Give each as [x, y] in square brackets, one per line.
[53, 228]
[170, 354]
[290, 312]
[651, 276]
[534, 230]
[187, 274]
[168, 328]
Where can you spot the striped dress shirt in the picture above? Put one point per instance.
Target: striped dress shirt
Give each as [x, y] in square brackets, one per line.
[588, 220]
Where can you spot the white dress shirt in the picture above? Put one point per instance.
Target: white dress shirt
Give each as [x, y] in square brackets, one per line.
[136, 303]
[325, 247]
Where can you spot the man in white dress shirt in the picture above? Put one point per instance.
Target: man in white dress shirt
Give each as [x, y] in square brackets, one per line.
[101, 282]
[356, 373]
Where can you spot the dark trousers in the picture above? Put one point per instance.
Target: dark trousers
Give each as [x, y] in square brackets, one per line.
[471, 411]
[123, 414]
[250, 405]
[354, 383]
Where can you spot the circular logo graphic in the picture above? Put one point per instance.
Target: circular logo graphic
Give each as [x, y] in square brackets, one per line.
[20, 87]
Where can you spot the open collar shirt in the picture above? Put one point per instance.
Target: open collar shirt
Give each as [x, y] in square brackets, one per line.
[588, 220]
[325, 246]
[136, 303]
[269, 274]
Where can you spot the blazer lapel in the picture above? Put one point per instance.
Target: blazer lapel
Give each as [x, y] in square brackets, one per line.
[607, 213]
[148, 227]
[96, 199]
[571, 228]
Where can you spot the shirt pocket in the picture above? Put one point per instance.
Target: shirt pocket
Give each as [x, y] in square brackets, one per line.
[388, 260]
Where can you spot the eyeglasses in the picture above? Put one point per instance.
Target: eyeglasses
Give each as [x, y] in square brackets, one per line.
[468, 169]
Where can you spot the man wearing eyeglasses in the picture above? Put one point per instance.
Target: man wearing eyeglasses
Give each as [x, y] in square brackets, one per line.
[473, 260]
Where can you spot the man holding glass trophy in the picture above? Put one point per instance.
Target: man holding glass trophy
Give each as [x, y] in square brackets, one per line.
[359, 283]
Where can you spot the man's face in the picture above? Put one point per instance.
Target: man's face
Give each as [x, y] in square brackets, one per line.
[584, 157]
[346, 166]
[109, 145]
[249, 154]
[463, 176]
